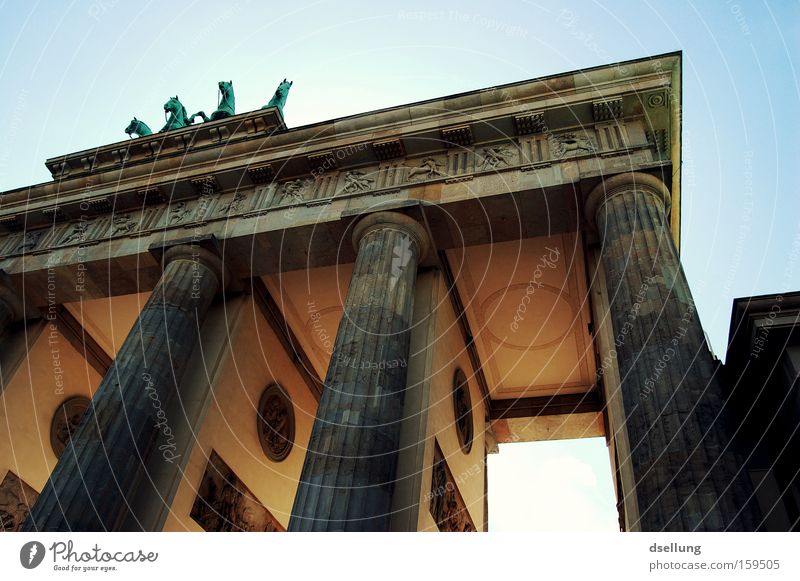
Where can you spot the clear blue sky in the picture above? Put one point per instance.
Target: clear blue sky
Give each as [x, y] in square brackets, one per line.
[73, 74]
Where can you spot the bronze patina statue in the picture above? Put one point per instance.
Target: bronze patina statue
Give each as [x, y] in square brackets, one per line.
[137, 127]
[175, 112]
[176, 116]
[226, 106]
[279, 98]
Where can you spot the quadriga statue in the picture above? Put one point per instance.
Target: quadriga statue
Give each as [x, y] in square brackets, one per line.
[226, 105]
[176, 117]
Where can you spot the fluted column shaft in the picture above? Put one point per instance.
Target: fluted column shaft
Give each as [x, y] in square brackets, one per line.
[685, 469]
[94, 480]
[348, 475]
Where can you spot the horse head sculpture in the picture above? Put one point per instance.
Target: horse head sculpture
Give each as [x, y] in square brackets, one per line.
[176, 116]
[139, 128]
[279, 98]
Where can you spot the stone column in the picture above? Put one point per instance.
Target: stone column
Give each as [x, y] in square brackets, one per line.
[348, 475]
[95, 478]
[687, 475]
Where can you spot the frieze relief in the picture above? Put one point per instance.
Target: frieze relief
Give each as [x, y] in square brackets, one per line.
[77, 233]
[429, 168]
[356, 182]
[29, 241]
[234, 205]
[177, 213]
[458, 163]
[294, 192]
[205, 206]
[573, 144]
[123, 224]
[496, 157]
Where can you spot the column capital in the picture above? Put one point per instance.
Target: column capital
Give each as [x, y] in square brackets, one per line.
[198, 254]
[394, 221]
[622, 183]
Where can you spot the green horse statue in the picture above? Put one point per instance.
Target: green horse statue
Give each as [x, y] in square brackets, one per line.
[175, 114]
[279, 98]
[140, 128]
[226, 105]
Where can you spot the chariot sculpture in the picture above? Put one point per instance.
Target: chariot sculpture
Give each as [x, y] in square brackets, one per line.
[177, 118]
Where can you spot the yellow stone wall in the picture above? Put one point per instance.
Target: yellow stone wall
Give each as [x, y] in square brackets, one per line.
[53, 372]
[255, 360]
[449, 353]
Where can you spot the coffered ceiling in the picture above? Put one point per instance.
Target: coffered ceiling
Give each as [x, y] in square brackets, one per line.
[526, 305]
[545, 350]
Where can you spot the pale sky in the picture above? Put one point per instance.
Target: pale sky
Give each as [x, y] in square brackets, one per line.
[563, 485]
[74, 73]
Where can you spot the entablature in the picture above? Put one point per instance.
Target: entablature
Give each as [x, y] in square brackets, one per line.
[527, 136]
[229, 147]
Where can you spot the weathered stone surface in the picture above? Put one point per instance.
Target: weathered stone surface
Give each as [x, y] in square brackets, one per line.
[225, 504]
[16, 498]
[10, 304]
[348, 475]
[89, 489]
[686, 477]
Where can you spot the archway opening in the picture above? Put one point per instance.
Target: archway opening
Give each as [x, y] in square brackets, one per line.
[555, 485]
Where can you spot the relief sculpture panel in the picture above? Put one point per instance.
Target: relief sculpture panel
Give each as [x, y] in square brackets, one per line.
[495, 157]
[65, 421]
[572, 144]
[16, 500]
[447, 506]
[275, 423]
[225, 504]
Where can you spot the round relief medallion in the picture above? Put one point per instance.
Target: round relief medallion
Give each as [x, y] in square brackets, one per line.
[462, 407]
[65, 421]
[520, 319]
[275, 423]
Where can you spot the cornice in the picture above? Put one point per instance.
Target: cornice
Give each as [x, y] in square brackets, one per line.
[175, 143]
[266, 130]
[233, 162]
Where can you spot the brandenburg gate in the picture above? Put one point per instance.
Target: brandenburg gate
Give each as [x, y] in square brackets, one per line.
[235, 325]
